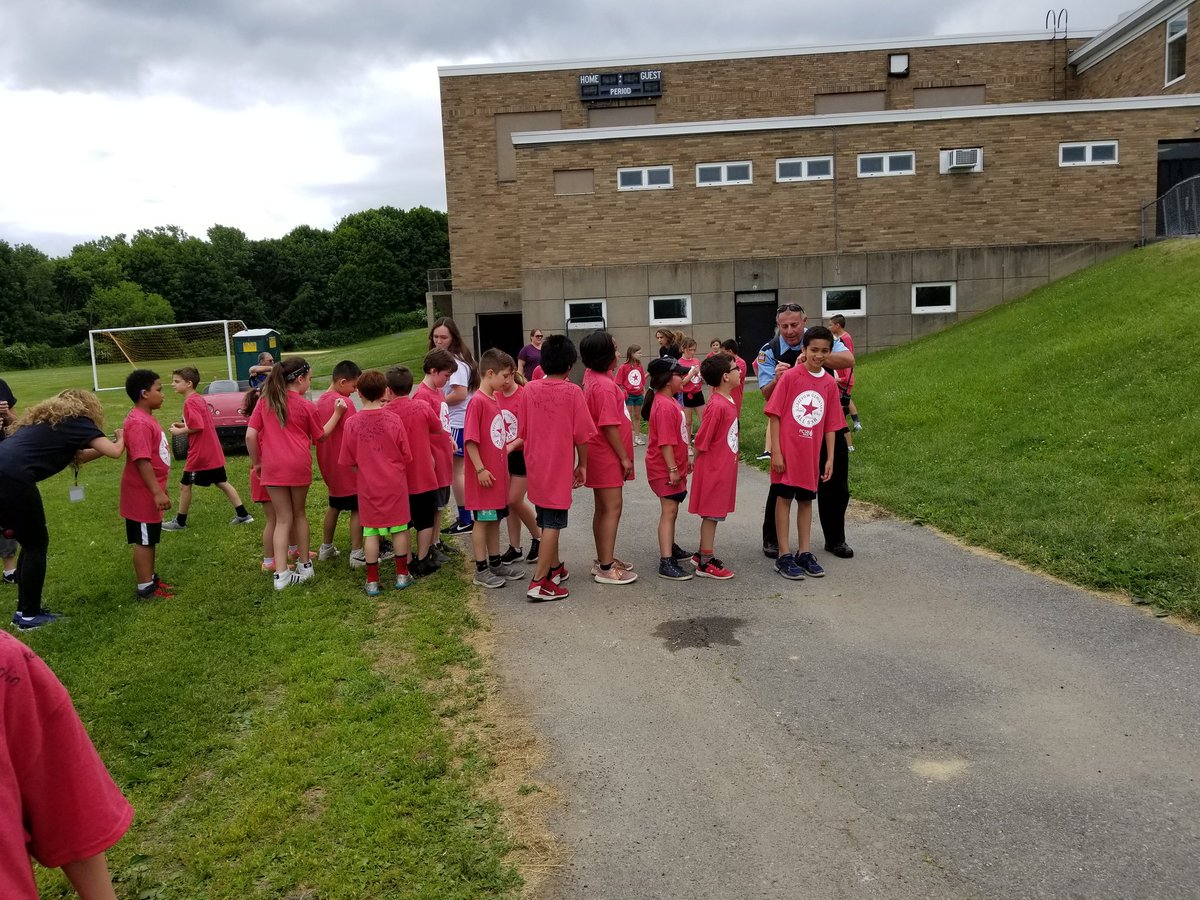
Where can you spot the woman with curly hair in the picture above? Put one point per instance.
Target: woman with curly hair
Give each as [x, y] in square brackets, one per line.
[444, 335]
[50, 436]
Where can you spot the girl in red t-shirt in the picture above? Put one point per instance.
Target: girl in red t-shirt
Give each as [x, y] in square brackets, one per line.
[667, 461]
[632, 379]
[693, 384]
[520, 512]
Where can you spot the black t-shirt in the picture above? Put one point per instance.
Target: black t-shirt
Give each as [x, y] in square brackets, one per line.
[36, 452]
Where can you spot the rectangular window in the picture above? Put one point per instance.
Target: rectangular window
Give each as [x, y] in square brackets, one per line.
[708, 174]
[849, 301]
[1094, 153]
[1177, 48]
[878, 165]
[586, 314]
[671, 310]
[934, 298]
[650, 178]
[808, 168]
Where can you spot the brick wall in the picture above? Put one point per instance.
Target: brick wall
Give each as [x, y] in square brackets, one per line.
[1139, 68]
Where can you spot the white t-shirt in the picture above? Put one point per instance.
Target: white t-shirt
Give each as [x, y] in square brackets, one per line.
[461, 376]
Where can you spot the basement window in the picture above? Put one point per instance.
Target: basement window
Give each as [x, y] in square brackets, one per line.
[808, 168]
[675, 309]
[1176, 48]
[1093, 153]
[938, 297]
[849, 301]
[586, 314]
[879, 165]
[710, 174]
[648, 178]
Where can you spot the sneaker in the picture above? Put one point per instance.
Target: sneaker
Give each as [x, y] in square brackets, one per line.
[403, 581]
[294, 555]
[172, 525]
[849, 448]
[638, 441]
[763, 457]
[786, 566]
[678, 553]
[509, 572]
[809, 564]
[242, 520]
[439, 557]
[841, 551]
[770, 550]
[559, 573]
[373, 589]
[162, 583]
[615, 575]
[714, 568]
[328, 551]
[305, 572]
[617, 564]
[671, 570]
[534, 547]
[358, 559]
[28, 623]
[459, 528]
[10, 577]
[546, 590]
[156, 591]
[858, 426]
[420, 568]
[489, 579]
[386, 549]
[511, 555]
[285, 579]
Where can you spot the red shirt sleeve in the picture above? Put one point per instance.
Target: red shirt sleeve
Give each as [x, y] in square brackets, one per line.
[256, 417]
[471, 423]
[316, 428]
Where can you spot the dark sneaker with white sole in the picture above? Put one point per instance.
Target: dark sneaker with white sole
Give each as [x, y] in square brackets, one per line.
[809, 564]
[672, 571]
[29, 623]
[787, 567]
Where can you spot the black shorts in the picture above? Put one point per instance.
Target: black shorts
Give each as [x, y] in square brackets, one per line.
[423, 509]
[443, 499]
[516, 464]
[691, 401]
[344, 504]
[678, 498]
[144, 534]
[790, 492]
[551, 518]
[205, 477]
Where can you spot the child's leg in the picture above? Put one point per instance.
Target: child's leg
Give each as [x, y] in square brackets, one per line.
[10, 564]
[300, 521]
[606, 518]
[783, 507]
[268, 538]
[708, 538]
[548, 557]
[524, 509]
[479, 542]
[281, 500]
[185, 499]
[356, 534]
[668, 513]
[230, 493]
[371, 549]
[329, 525]
[424, 542]
[401, 545]
[143, 563]
[803, 526]
[492, 532]
[516, 494]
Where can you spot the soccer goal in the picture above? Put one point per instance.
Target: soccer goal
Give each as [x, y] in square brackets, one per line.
[163, 348]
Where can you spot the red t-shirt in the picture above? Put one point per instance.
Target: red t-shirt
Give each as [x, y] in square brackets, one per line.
[340, 481]
[443, 451]
[808, 408]
[538, 374]
[695, 384]
[714, 478]
[286, 452]
[606, 404]
[846, 376]
[258, 493]
[739, 392]
[422, 427]
[377, 444]
[204, 447]
[57, 801]
[510, 408]
[144, 439]
[668, 428]
[484, 426]
[632, 379]
[553, 420]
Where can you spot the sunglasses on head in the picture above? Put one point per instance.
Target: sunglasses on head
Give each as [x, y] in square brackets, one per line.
[790, 307]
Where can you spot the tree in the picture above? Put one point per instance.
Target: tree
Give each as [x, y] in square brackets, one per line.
[126, 304]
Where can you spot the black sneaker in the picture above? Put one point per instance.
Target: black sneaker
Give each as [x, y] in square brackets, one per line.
[29, 623]
[423, 568]
[770, 550]
[534, 546]
[678, 553]
[10, 577]
[671, 570]
[459, 528]
[511, 555]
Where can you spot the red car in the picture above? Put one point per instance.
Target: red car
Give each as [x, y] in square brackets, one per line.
[224, 400]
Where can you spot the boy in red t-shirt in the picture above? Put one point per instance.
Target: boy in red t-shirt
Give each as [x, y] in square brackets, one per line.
[375, 443]
[555, 425]
[144, 480]
[341, 482]
[438, 366]
[804, 412]
[486, 479]
[424, 430]
[714, 475]
[205, 465]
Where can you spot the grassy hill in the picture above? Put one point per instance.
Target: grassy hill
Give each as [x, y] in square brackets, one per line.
[1060, 430]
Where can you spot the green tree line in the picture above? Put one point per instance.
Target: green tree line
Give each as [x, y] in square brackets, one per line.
[365, 276]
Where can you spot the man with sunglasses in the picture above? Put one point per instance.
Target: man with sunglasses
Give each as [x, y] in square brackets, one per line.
[778, 355]
[530, 356]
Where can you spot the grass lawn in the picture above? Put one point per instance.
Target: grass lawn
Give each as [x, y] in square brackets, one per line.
[310, 743]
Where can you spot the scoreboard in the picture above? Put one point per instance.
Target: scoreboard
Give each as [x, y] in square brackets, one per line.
[621, 85]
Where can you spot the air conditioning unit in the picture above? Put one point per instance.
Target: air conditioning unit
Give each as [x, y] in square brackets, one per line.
[968, 159]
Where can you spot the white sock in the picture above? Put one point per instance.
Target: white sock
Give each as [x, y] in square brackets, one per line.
[10, 571]
[142, 587]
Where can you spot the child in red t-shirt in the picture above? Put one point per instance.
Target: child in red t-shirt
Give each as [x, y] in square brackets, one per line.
[279, 440]
[610, 454]
[144, 480]
[632, 379]
[556, 427]
[519, 511]
[693, 384]
[730, 348]
[205, 464]
[804, 412]
[424, 430]
[341, 482]
[485, 436]
[667, 460]
[375, 444]
[714, 475]
[438, 366]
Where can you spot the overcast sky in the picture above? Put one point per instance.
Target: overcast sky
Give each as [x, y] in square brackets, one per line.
[117, 115]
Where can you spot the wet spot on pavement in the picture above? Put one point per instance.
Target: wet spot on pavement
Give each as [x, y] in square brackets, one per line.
[939, 769]
[704, 632]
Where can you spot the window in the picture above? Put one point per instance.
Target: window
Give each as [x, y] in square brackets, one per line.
[708, 174]
[651, 178]
[671, 310]
[877, 165]
[809, 168]
[934, 298]
[586, 314]
[1177, 47]
[849, 301]
[1098, 153]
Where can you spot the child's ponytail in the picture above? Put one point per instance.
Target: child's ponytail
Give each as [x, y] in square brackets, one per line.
[283, 374]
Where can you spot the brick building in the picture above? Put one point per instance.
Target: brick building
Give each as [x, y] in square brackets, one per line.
[906, 184]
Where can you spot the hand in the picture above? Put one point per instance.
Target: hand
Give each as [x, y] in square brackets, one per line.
[178, 428]
[673, 477]
[162, 501]
[777, 463]
[827, 472]
[580, 476]
[782, 367]
[627, 467]
[257, 468]
[340, 404]
[119, 437]
[485, 478]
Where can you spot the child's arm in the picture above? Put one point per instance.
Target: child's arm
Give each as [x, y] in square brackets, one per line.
[90, 878]
[472, 450]
[612, 434]
[102, 446]
[827, 472]
[146, 470]
[252, 449]
[581, 469]
[339, 410]
[668, 454]
[777, 463]
[517, 444]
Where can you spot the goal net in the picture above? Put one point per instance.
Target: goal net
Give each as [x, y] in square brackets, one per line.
[206, 345]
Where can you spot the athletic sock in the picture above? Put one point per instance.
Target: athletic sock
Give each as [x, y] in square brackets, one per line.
[606, 567]
[373, 571]
[181, 518]
[464, 516]
[705, 558]
[269, 561]
[494, 561]
[855, 418]
[241, 511]
[401, 565]
[293, 549]
[143, 586]
[481, 565]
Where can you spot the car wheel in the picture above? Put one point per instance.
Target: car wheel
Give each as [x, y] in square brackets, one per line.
[179, 446]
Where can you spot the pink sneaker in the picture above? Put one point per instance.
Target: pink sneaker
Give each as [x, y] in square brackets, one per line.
[714, 569]
[545, 590]
[615, 575]
[617, 564]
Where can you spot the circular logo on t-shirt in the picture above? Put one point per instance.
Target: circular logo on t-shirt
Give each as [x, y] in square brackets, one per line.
[634, 378]
[497, 431]
[695, 379]
[510, 425]
[164, 450]
[808, 409]
[445, 413]
[731, 437]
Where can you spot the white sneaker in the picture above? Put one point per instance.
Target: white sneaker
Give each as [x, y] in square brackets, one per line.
[509, 572]
[858, 426]
[358, 559]
[242, 520]
[305, 572]
[850, 448]
[172, 525]
[285, 579]
[328, 551]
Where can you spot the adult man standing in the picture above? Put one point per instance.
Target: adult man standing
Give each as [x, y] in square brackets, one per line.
[777, 356]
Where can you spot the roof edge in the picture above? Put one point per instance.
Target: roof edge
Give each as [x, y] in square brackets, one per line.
[1125, 31]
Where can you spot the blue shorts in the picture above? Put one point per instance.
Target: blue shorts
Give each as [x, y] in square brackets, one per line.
[457, 435]
[551, 518]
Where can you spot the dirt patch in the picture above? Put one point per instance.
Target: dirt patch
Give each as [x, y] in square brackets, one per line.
[700, 633]
[312, 802]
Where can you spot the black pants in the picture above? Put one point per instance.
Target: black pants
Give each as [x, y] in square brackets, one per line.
[21, 512]
[833, 496]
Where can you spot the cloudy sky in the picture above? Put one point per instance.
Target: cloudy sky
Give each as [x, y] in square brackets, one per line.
[117, 115]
